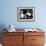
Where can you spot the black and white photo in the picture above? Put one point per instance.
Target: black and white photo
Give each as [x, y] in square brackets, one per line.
[25, 14]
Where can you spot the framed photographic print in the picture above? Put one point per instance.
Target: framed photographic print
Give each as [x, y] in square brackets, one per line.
[25, 14]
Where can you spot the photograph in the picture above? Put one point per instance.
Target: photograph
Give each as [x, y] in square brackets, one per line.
[25, 14]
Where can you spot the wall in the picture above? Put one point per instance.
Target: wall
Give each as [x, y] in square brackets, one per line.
[8, 13]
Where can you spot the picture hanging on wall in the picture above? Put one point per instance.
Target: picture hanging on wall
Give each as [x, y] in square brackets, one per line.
[25, 14]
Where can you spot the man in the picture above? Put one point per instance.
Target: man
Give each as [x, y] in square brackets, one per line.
[28, 14]
[21, 14]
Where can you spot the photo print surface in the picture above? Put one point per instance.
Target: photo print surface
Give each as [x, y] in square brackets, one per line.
[25, 14]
